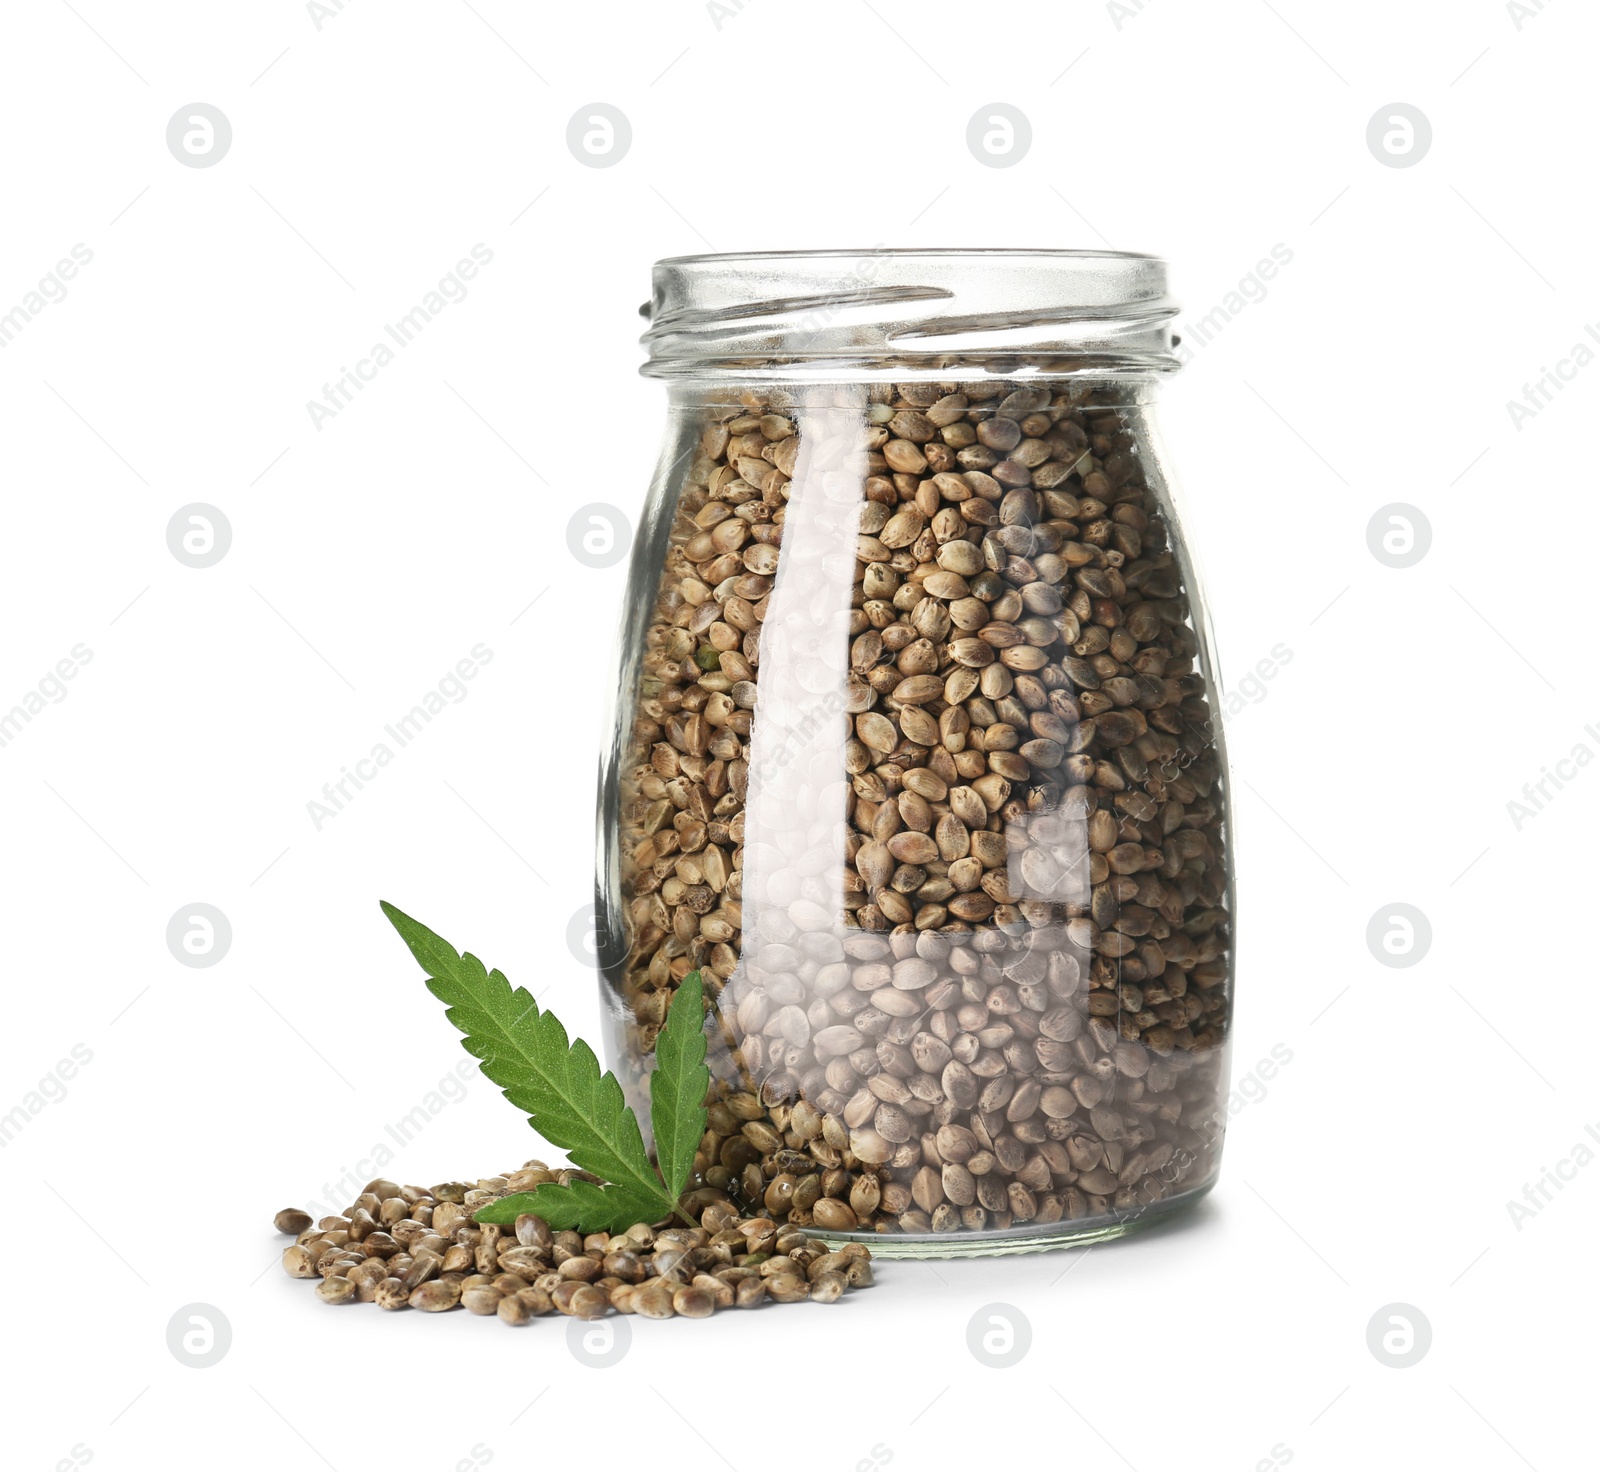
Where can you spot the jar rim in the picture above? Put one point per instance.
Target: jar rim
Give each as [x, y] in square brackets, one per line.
[1049, 252]
[891, 310]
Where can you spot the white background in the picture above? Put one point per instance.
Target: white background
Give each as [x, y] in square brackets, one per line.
[369, 555]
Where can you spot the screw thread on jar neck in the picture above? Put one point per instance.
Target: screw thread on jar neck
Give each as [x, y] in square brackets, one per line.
[910, 313]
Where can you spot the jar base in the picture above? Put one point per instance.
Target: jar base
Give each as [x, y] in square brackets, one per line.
[1013, 1242]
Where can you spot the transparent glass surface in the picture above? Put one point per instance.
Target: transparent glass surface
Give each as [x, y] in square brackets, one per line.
[916, 762]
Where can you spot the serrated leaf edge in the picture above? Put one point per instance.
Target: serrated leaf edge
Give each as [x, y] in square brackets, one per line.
[447, 971]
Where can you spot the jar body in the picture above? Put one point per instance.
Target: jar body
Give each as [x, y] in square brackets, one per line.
[917, 760]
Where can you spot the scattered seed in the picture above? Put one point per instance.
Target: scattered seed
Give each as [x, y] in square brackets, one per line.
[436, 1296]
[482, 1300]
[529, 1271]
[391, 1294]
[512, 1310]
[336, 1290]
[827, 1287]
[693, 1303]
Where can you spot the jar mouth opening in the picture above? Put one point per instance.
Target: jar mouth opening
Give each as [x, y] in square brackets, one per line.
[884, 310]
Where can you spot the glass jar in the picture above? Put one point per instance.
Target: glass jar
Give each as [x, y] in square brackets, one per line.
[916, 757]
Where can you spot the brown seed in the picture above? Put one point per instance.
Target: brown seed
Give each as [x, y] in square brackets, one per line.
[904, 456]
[536, 1300]
[562, 1293]
[926, 1188]
[876, 731]
[436, 1296]
[827, 1287]
[865, 1195]
[690, 1302]
[721, 1292]
[380, 1244]
[961, 557]
[833, 1216]
[391, 1294]
[946, 586]
[828, 1262]
[336, 1290]
[913, 848]
[1057, 1102]
[903, 528]
[291, 1220]
[858, 1274]
[654, 1300]
[531, 1231]
[512, 1310]
[958, 1185]
[788, 1288]
[999, 434]
[870, 1147]
[622, 1296]
[917, 690]
[424, 1265]
[589, 1302]
[483, 1300]
[750, 1292]
[525, 1262]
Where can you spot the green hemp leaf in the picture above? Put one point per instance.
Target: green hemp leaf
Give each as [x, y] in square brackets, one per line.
[568, 1100]
[678, 1085]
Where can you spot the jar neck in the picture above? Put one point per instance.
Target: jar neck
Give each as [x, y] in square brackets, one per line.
[921, 315]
